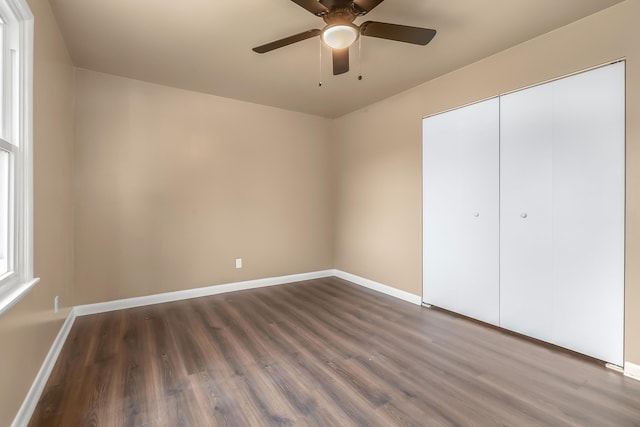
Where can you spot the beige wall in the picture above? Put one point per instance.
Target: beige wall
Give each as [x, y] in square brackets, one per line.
[171, 186]
[29, 328]
[377, 198]
[378, 151]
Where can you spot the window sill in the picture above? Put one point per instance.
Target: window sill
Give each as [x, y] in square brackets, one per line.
[13, 292]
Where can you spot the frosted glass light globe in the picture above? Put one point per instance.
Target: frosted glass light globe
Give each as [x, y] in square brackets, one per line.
[339, 36]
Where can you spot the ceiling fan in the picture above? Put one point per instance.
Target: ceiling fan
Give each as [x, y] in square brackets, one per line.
[340, 31]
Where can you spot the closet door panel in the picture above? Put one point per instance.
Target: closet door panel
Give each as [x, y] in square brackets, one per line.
[461, 225]
[526, 165]
[588, 212]
[440, 204]
[562, 164]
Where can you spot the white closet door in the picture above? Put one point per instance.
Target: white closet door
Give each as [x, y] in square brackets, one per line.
[588, 212]
[562, 160]
[460, 211]
[526, 171]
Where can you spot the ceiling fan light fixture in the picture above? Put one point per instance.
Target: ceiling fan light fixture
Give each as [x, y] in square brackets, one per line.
[340, 36]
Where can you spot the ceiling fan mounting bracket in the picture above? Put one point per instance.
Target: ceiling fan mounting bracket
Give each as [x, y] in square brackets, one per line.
[346, 6]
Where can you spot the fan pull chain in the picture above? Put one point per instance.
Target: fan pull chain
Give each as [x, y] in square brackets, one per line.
[360, 58]
[320, 62]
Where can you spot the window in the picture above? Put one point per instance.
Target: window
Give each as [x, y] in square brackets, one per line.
[16, 170]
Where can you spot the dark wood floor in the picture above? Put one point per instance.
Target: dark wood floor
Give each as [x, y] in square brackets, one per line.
[319, 353]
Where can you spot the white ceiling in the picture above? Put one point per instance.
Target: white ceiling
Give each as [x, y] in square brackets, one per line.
[205, 45]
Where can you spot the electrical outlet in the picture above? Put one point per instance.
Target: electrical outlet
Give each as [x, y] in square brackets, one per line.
[56, 303]
[238, 262]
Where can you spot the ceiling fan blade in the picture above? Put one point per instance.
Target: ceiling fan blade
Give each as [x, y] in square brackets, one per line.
[340, 61]
[400, 33]
[312, 6]
[366, 6]
[286, 41]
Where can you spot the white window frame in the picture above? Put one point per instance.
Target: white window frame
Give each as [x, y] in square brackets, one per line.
[17, 114]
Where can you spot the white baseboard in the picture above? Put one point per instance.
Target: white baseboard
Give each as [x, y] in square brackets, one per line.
[31, 400]
[385, 289]
[632, 370]
[102, 307]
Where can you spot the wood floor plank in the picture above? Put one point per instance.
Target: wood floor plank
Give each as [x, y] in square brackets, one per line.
[319, 353]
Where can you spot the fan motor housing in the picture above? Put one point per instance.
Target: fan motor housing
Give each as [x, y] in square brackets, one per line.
[340, 14]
